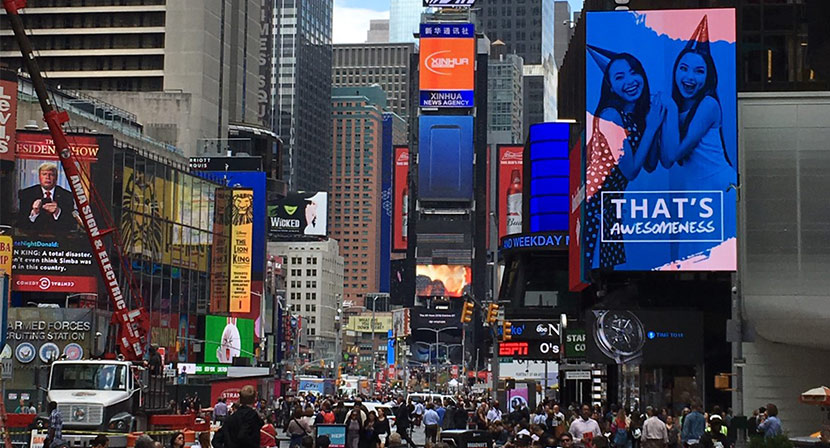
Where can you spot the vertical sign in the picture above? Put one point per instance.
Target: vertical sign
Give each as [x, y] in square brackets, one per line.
[8, 113]
[447, 66]
[220, 256]
[390, 348]
[661, 177]
[510, 190]
[242, 223]
[547, 160]
[400, 200]
[266, 45]
[576, 271]
[6, 254]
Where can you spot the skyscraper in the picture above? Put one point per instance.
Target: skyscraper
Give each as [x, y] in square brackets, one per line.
[385, 64]
[404, 18]
[302, 48]
[505, 102]
[378, 31]
[357, 117]
[185, 69]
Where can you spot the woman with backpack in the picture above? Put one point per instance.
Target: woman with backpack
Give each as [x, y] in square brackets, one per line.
[620, 430]
[297, 428]
[326, 415]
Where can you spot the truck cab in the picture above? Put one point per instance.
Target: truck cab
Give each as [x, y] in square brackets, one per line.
[95, 396]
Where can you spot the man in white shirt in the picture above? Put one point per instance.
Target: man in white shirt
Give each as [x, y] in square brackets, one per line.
[655, 434]
[584, 429]
[494, 414]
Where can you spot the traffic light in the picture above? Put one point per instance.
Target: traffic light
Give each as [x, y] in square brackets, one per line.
[467, 312]
[507, 330]
[492, 313]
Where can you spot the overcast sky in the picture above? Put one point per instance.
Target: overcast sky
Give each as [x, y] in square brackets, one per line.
[351, 17]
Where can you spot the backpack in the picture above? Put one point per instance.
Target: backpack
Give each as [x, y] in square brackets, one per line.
[621, 437]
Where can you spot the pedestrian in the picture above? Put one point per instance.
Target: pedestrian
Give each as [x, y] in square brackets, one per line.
[55, 434]
[176, 440]
[297, 428]
[431, 421]
[402, 423]
[439, 408]
[694, 424]
[241, 429]
[325, 416]
[382, 427]
[655, 434]
[220, 410]
[565, 440]
[340, 413]
[267, 436]
[771, 426]
[461, 417]
[494, 414]
[674, 432]
[555, 421]
[716, 435]
[144, 441]
[353, 429]
[394, 441]
[481, 419]
[584, 429]
[620, 436]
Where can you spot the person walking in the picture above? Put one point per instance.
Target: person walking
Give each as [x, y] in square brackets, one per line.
[655, 434]
[241, 429]
[297, 429]
[694, 424]
[353, 429]
[584, 429]
[220, 410]
[674, 432]
[382, 427]
[620, 435]
[431, 421]
[402, 423]
[771, 426]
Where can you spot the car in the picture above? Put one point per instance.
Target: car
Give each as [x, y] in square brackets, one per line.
[374, 406]
[423, 397]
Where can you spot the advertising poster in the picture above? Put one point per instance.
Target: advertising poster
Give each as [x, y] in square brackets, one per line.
[227, 338]
[299, 213]
[6, 254]
[576, 270]
[229, 389]
[8, 113]
[547, 167]
[220, 255]
[386, 175]
[400, 204]
[447, 68]
[661, 152]
[510, 189]
[335, 433]
[445, 158]
[443, 280]
[51, 250]
[242, 224]
[36, 335]
[653, 337]
[363, 324]
[517, 398]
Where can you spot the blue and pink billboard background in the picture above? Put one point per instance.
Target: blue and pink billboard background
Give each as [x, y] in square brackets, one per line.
[661, 145]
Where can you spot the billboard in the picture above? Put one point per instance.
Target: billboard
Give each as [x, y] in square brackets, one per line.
[386, 174]
[443, 280]
[363, 324]
[51, 250]
[447, 68]
[8, 113]
[445, 158]
[400, 204]
[510, 189]
[577, 279]
[547, 168]
[299, 213]
[230, 389]
[661, 168]
[653, 337]
[242, 225]
[221, 253]
[227, 338]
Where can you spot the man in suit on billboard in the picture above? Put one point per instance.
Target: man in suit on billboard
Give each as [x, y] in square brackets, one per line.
[46, 206]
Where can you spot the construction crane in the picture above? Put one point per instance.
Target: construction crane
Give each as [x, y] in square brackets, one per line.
[132, 324]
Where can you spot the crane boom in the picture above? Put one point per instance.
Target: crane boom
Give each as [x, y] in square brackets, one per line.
[132, 323]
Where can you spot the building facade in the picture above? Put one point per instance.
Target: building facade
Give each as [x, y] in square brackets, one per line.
[404, 18]
[384, 64]
[302, 57]
[357, 119]
[313, 288]
[185, 69]
[505, 101]
[378, 31]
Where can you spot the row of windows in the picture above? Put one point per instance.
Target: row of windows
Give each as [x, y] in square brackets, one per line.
[299, 260]
[308, 272]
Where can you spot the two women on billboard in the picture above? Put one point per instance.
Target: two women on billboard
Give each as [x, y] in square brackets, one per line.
[659, 171]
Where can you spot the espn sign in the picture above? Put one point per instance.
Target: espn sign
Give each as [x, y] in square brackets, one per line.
[447, 65]
[8, 113]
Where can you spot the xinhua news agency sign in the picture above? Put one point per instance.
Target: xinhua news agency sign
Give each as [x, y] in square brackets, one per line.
[447, 69]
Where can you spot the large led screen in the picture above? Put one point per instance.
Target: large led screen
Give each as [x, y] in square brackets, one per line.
[443, 280]
[227, 338]
[299, 213]
[510, 189]
[661, 153]
[447, 64]
[445, 158]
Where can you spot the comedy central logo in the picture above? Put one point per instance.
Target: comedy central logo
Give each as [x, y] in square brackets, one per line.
[443, 65]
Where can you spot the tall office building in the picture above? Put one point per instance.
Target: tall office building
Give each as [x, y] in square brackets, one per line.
[357, 117]
[385, 64]
[527, 30]
[302, 48]
[404, 19]
[313, 288]
[563, 30]
[505, 102]
[378, 31]
[185, 69]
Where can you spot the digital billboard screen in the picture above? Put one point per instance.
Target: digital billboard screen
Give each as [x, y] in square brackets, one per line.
[510, 189]
[445, 158]
[400, 200]
[51, 249]
[443, 280]
[447, 68]
[661, 168]
[227, 338]
[547, 169]
[653, 337]
[8, 113]
[299, 213]
[576, 271]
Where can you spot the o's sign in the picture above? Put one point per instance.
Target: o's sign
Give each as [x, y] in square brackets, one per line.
[447, 66]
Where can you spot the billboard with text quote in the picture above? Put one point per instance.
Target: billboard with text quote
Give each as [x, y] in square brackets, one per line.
[661, 153]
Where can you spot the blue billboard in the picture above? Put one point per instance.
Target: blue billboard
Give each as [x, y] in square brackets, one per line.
[386, 167]
[445, 158]
[547, 160]
[661, 153]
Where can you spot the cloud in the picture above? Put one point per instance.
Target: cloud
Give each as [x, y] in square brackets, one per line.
[351, 24]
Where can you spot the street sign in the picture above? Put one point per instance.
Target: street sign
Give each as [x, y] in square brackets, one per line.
[575, 343]
[578, 375]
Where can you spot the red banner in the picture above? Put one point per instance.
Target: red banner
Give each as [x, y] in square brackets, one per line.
[229, 389]
[577, 198]
[510, 190]
[54, 283]
[8, 114]
[400, 201]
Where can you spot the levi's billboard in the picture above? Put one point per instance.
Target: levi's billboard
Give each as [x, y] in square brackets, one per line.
[447, 66]
[661, 153]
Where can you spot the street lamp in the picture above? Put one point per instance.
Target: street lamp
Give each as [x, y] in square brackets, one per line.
[437, 333]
